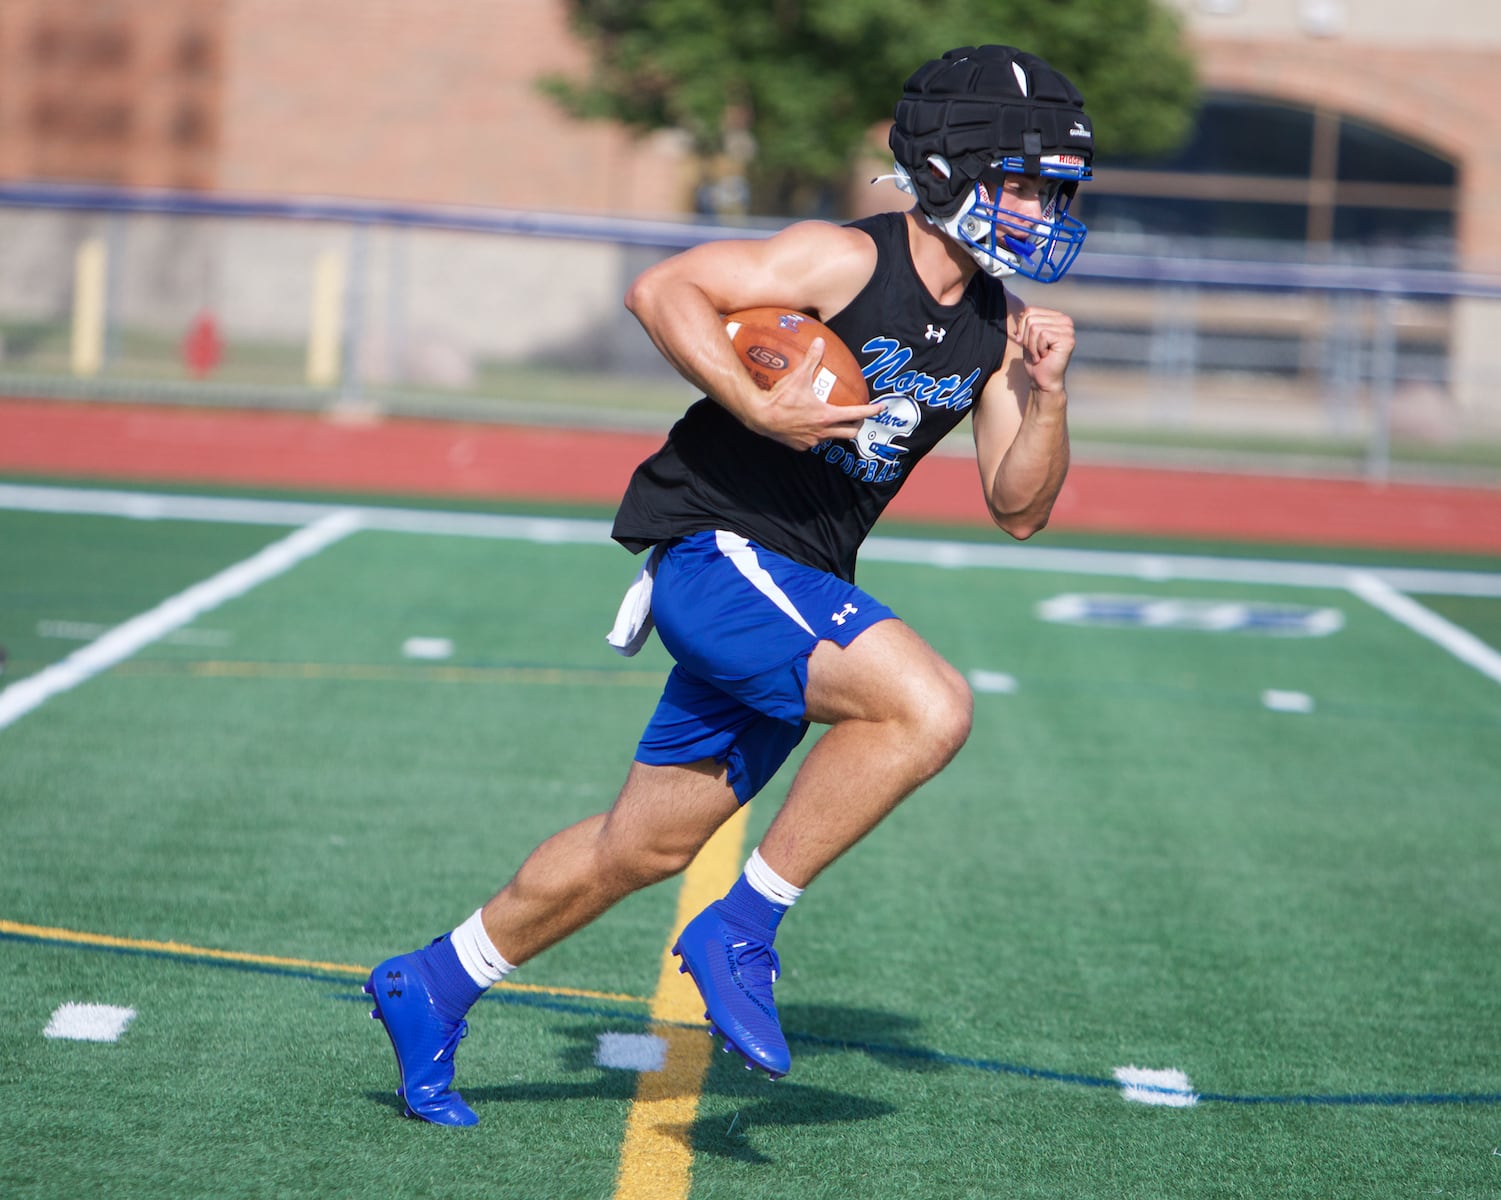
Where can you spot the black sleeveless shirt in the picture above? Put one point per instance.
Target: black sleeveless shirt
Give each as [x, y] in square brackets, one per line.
[928, 361]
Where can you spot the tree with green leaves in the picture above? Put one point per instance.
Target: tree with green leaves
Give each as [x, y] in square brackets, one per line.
[791, 89]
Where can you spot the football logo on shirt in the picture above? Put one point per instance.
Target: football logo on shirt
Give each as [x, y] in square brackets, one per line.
[878, 455]
[878, 435]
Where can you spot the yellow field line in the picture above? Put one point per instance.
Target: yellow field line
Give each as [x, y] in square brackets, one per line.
[656, 1156]
[369, 673]
[47, 933]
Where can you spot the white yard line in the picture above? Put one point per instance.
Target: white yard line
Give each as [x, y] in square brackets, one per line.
[1164, 567]
[182, 609]
[1461, 643]
[549, 530]
[157, 506]
[1385, 588]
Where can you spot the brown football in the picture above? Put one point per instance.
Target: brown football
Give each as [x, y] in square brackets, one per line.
[771, 341]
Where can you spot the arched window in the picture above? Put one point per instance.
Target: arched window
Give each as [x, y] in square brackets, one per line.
[1276, 172]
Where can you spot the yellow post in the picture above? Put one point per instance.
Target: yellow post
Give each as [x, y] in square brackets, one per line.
[327, 327]
[89, 268]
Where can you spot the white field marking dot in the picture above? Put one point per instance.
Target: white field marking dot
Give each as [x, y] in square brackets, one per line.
[89, 1022]
[1145, 1085]
[428, 648]
[992, 681]
[1288, 702]
[87, 631]
[631, 1052]
[74, 631]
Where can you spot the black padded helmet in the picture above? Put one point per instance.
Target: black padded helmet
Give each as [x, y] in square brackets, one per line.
[976, 106]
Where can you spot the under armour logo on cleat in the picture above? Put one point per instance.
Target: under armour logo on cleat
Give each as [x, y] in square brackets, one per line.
[393, 984]
[838, 618]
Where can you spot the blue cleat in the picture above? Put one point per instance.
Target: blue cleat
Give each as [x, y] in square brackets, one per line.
[734, 971]
[424, 1042]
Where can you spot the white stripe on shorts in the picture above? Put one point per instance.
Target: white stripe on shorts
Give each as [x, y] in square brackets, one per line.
[738, 551]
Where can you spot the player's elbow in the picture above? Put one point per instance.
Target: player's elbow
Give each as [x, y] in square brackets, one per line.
[638, 295]
[1021, 513]
[1019, 525]
[1022, 530]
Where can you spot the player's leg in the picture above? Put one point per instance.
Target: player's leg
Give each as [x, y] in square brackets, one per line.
[662, 817]
[780, 638]
[898, 713]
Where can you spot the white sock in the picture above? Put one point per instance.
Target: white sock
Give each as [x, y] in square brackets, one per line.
[477, 953]
[768, 882]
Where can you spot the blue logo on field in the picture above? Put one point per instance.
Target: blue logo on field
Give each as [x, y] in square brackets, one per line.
[1204, 616]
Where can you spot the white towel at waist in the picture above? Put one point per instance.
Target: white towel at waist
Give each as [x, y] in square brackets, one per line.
[633, 623]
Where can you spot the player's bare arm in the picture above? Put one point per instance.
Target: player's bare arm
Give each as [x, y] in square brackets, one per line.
[1021, 420]
[812, 266]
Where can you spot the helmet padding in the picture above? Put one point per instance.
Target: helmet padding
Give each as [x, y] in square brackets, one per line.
[976, 106]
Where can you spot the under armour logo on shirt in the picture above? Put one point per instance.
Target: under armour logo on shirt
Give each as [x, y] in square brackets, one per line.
[935, 334]
[844, 614]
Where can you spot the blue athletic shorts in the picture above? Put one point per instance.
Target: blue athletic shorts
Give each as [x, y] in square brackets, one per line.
[741, 622]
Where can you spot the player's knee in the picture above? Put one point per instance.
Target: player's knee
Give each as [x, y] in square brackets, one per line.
[663, 862]
[950, 714]
[638, 866]
[939, 712]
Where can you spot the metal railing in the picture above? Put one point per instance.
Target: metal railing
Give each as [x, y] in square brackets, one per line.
[233, 299]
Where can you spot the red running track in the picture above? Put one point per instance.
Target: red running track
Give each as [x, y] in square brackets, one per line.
[434, 458]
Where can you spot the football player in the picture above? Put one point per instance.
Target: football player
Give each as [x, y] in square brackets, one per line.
[751, 516]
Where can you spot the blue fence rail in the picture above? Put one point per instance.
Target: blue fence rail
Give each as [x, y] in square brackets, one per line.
[1154, 268]
[1172, 318]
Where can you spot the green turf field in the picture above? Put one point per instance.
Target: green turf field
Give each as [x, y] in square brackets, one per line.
[1177, 840]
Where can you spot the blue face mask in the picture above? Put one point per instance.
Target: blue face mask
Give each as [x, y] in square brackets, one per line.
[1005, 242]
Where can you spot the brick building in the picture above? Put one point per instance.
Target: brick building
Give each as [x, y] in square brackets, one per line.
[415, 100]
[1424, 73]
[437, 101]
